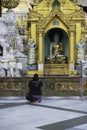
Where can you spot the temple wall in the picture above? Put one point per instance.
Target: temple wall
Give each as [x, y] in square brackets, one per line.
[52, 86]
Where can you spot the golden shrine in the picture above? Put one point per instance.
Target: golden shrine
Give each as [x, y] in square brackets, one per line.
[56, 16]
[66, 21]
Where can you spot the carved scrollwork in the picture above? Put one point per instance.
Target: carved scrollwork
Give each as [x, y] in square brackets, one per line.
[34, 15]
[55, 13]
[69, 20]
[78, 14]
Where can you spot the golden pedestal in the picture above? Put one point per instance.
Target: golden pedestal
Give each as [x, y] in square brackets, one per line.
[56, 69]
[31, 73]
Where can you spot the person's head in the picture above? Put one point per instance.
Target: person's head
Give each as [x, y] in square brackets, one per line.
[35, 77]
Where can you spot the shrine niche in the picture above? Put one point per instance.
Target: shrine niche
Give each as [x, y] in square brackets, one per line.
[52, 22]
[56, 46]
[1, 50]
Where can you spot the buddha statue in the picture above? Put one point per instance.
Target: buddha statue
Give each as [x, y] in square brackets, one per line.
[56, 51]
[32, 54]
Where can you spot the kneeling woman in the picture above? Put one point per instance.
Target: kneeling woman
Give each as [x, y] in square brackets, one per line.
[35, 93]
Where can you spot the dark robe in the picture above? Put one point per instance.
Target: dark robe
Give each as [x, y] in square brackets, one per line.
[35, 92]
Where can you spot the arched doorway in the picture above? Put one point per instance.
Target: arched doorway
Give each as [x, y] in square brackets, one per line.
[1, 50]
[48, 39]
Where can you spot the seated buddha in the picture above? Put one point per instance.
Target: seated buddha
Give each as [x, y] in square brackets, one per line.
[56, 51]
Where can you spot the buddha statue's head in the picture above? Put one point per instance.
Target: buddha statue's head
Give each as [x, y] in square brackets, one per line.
[56, 37]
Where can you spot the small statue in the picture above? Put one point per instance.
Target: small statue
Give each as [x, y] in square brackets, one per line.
[32, 54]
[12, 67]
[56, 50]
[18, 69]
[55, 47]
[81, 50]
[2, 70]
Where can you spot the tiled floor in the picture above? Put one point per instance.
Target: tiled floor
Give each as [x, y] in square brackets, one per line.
[53, 113]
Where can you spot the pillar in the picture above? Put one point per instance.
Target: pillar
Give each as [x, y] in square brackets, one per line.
[78, 32]
[40, 60]
[33, 31]
[40, 48]
[72, 46]
[72, 53]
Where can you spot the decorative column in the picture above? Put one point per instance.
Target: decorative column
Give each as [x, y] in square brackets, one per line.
[72, 47]
[78, 32]
[40, 48]
[72, 53]
[40, 61]
[33, 30]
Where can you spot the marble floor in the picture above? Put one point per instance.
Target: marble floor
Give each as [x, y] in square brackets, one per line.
[53, 113]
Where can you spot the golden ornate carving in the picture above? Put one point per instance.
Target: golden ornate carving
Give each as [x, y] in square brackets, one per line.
[56, 69]
[66, 86]
[78, 14]
[68, 17]
[33, 15]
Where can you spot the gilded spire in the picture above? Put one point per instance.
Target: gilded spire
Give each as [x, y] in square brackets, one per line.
[56, 3]
[10, 3]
